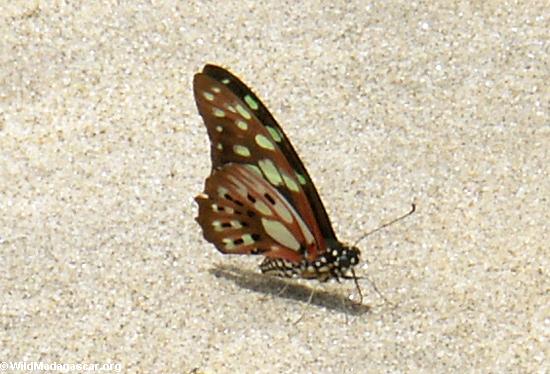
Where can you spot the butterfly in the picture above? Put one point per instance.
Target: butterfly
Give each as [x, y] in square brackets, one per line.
[259, 198]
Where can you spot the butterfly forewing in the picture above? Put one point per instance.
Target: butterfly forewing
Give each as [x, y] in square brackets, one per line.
[243, 131]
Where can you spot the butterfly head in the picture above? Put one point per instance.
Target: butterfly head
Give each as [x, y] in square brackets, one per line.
[344, 257]
[336, 262]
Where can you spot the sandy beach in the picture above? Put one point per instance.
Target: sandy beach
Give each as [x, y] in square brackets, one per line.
[102, 152]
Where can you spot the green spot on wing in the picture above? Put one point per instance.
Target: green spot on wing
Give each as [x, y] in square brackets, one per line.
[283, 212]
[218, 112]
[217, 225]
[229, 245]
[290, 183]
[241, 124]
[274, 133]
[264, 142]
[222, 191]
[262, 208]
[208, 96]
[301, 179]
[278, 232]
[243, 112]
[247, 239]
[236, 224]
[255, 170]
[241, 150]
[270, 171]
[251, 102]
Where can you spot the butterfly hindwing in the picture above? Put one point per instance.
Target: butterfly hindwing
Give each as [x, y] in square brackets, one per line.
[241, 213]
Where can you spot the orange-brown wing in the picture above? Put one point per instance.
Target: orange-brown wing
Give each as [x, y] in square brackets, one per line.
[242, 213]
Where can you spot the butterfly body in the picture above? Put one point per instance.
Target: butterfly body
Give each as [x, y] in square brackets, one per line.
[331, 265]
[259, 198]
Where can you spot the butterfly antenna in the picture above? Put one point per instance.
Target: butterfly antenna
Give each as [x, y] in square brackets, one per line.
[413, 208]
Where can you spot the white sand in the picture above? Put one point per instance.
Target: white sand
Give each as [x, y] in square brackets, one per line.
[102, 152]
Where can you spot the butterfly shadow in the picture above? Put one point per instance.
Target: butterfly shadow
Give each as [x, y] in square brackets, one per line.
[285, 288]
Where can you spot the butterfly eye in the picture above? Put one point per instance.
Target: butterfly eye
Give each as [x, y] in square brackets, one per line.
[344, 261]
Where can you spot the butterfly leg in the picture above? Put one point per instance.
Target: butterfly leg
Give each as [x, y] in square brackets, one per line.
[373, 285]
[279, 293]
[307, 305]
[358, 288]
[282, 290]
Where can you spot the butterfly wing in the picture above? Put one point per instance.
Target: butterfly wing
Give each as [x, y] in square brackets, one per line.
[242, 131]
[242, 213]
